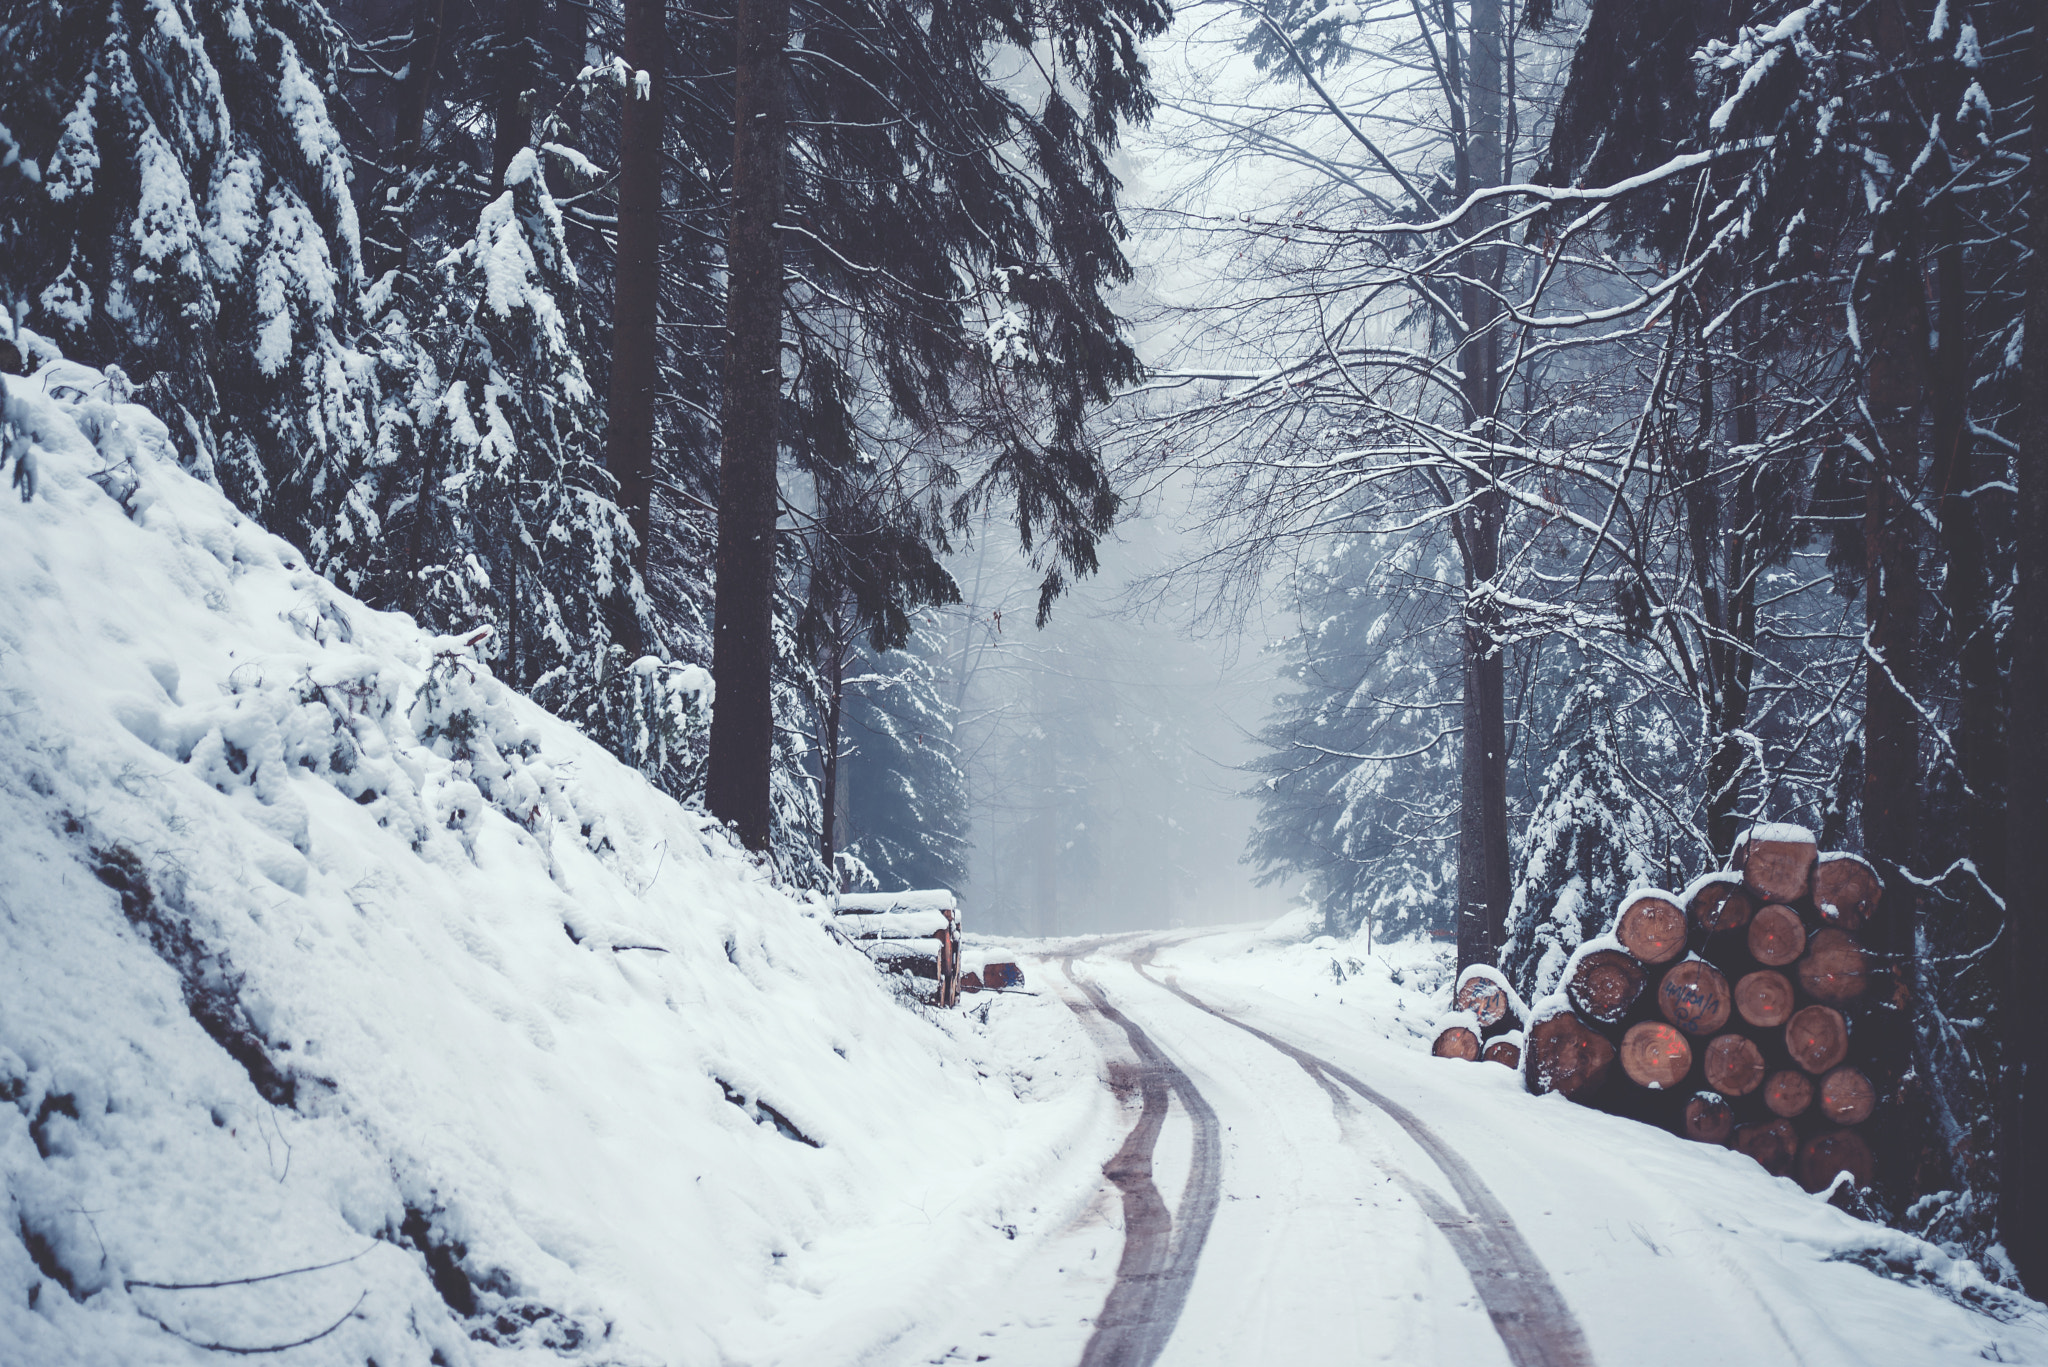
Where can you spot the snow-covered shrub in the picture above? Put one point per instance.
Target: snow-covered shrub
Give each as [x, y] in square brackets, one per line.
[1590, 841]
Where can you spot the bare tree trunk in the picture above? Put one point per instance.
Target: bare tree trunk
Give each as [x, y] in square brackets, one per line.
[2023, 1192]
[1484, 879]
[1892, 315]
[828, 743]
[1966, 586]
[743, 643]
[636, 278]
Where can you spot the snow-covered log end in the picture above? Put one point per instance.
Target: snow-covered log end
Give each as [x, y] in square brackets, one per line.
[323, 954]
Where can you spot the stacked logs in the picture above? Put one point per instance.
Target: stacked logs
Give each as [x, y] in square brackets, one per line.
[1485, 1021]
[1728, 1013]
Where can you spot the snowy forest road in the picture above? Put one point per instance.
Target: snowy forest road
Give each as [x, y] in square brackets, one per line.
[1293, 1178]
[1162, 1254]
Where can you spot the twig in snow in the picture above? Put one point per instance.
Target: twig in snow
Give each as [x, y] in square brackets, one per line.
[265, 1348]
[249, 1281]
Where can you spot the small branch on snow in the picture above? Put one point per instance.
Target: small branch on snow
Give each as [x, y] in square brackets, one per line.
[265, 1348]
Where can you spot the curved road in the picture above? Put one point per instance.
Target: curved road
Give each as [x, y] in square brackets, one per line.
[1283, 1288]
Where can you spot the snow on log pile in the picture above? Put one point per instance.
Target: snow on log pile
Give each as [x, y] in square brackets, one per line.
[347, 997]
[1742, 1011]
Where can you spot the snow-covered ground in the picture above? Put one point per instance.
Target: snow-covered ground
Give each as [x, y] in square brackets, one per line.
[347, 998]
[345, 994]
[1659, 1247]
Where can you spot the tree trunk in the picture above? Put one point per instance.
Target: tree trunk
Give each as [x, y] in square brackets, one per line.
[1484, 876]
[743, 640]
[636, 278]
[2023, 1192]
[1965, 583]
[512, 114]
[828, 745]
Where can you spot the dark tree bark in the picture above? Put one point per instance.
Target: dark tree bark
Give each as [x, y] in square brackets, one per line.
[743, 644]
[2023, 1195]
[1891, 310]
[828, 745]
[1966, 586]
[1485, 880]
[636, 281]
[512, 117]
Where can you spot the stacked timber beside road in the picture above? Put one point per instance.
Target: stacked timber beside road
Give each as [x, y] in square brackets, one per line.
[1741, 1011]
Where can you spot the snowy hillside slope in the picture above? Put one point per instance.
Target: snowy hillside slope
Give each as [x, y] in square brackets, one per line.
[347, 996]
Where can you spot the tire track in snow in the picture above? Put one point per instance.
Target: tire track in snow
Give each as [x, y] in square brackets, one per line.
[1535, 1325]
[1161, 1249]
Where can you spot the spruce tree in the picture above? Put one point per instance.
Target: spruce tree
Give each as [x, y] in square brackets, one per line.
[503, 518]
[193, 225]
[1358, 757]
[1590, 840]
[906, 812]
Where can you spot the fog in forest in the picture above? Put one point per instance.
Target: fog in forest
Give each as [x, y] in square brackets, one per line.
[1102, 752]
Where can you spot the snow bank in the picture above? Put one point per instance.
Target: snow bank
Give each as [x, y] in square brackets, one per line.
[347, 996]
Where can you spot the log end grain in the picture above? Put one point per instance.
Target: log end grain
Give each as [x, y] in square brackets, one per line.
[1777, 870]
[1605, 984]
[1776, 935]
[1773, 1143]
[1847, 1096]
[1837, 1151]
[1708, 1119]
[1788, 1093]
[1567, 1055]
[1655, 1055]
[1817, 1038]
[1505, 1050]
[1652, 927]
[1764, 998]
[1845, 890]
[1834, 969]
[1734, 1065]
[1695, 997]
[1721, 906]
[1456, 1041]
[1484, 997]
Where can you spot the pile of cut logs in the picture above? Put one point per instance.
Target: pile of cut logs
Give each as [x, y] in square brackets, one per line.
[1727, 1013]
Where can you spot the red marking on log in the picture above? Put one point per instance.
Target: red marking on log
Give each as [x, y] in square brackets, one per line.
[1734, 1065]
[1777, 870]
[1776, 935]
[1847, 1096]
[1788, 1092]
[1456, 1041]
[1764, 998]
[1652, 929]
[1655, 1055]
[1817, 1038]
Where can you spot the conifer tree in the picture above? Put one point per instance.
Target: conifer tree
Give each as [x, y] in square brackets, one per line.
[1358, 757]
[906, 812]
[1590, 840]
[193, 225]
[504, 519]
